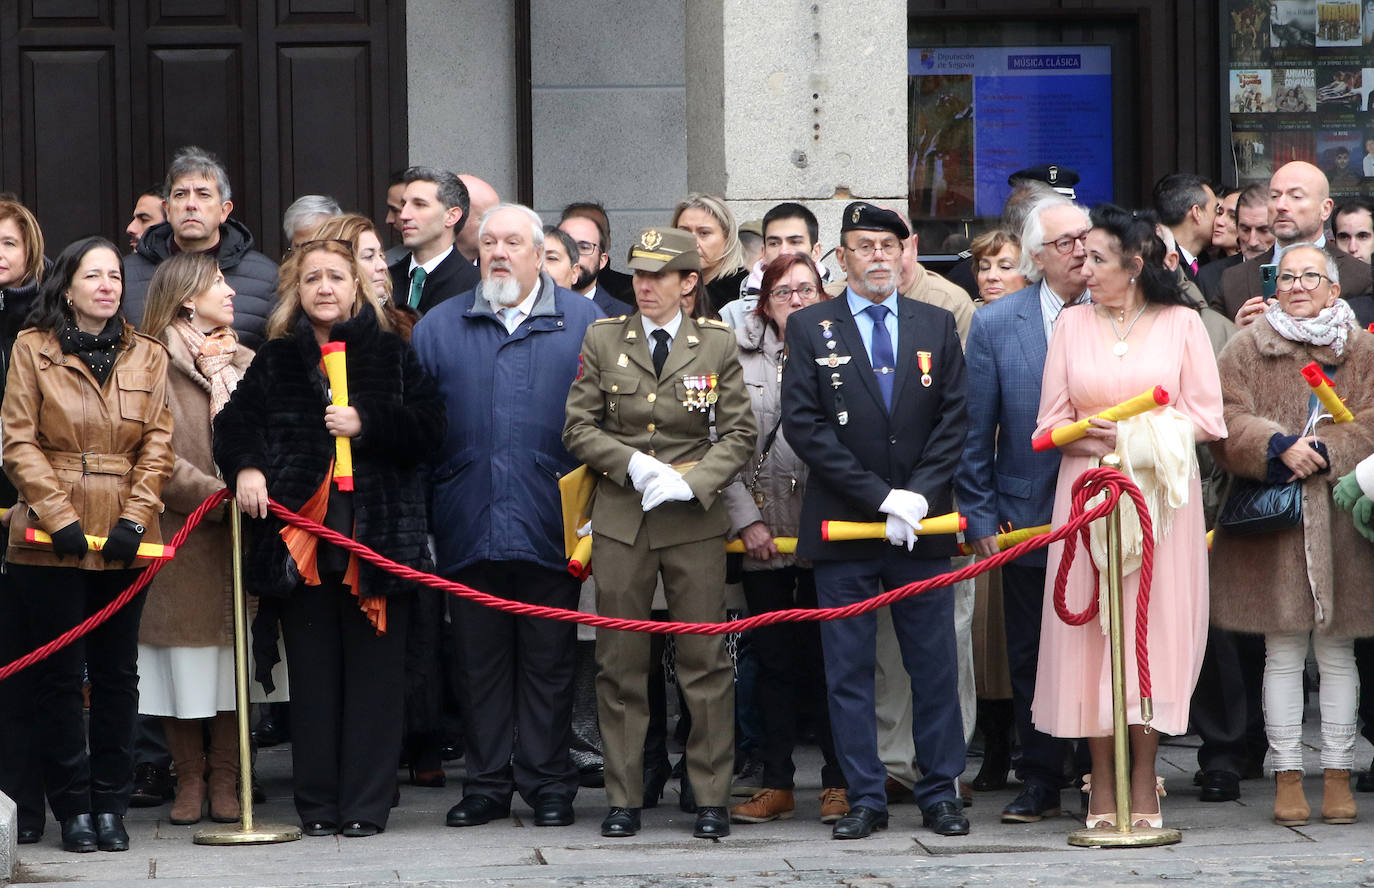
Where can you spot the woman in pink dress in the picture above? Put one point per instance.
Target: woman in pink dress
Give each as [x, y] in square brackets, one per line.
[1139, 332]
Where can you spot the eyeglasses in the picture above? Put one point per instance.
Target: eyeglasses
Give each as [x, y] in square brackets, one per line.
[866, 249]
[304, 245]
[587, 248]
[1308, 280]
[785, 294]
[1064, 245]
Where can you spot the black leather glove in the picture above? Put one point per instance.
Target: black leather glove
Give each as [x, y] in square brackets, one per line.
[70, 540]
[122, 543]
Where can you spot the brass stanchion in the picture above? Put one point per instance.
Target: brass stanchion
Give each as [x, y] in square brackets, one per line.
[243, 832]
[1124, 835]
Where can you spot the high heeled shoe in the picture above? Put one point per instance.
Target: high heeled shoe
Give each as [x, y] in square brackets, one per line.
[1155, 820]
[1091, 820]
[656, 778]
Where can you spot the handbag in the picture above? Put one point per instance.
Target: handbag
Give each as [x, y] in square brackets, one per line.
[1253, 507]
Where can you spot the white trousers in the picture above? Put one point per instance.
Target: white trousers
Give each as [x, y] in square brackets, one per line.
[1284, 657]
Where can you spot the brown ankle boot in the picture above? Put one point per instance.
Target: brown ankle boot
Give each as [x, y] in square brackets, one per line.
[1290, 805]
[224, 769]
[185, 743]
[1338, 805]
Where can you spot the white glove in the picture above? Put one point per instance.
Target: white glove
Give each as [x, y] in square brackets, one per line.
[644, 468]
[585, 530]
[900, 533]
[908, 506]
[664, 488]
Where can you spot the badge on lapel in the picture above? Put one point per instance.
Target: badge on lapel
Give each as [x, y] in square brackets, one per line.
[923, 362]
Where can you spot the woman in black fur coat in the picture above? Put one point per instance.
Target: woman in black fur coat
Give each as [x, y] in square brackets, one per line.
[343, 620]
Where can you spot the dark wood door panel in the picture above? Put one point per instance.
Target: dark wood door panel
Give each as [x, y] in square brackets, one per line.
[324, 115]
[67, 13]
[192, 12]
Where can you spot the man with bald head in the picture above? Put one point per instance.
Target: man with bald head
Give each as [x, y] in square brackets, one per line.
[481, 197]
[1300, 202]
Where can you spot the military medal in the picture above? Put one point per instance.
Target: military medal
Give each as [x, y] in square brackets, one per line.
[712, 396]
[923, 362]
[690, 384]
[833, 360]
[830, 344]
[825, 331]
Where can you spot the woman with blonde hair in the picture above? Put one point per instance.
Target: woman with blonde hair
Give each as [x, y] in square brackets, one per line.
[344, 621]
[709, 220]
[185, 651]
[367, 246]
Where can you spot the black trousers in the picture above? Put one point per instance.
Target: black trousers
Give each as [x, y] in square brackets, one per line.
[791, 675]
[1023, 594]
[52, 600]
[1364, 665]
[21, 770]
[515, 682]
[1227, 707]
[347, 703]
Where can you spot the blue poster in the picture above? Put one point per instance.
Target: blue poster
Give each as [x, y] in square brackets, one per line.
[979, 114]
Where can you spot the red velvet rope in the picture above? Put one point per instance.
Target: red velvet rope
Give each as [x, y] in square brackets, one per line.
[85, 626]
[1111, 481]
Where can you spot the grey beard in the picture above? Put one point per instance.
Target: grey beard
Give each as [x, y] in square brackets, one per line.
[502, 292]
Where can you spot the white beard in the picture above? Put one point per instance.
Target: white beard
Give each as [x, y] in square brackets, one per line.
[502, 292]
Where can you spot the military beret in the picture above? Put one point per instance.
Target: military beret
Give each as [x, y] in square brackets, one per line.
[664, 249]
[862, 216]
[1061, 179]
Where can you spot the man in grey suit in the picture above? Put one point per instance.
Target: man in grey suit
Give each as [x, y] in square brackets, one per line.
[1002, 481]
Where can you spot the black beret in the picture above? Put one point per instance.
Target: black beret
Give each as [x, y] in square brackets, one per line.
[862, 216]
[1061, 179]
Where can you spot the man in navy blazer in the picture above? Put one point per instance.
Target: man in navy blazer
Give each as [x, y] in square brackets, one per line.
[434, 209]
[1002, 481]
[873, 400]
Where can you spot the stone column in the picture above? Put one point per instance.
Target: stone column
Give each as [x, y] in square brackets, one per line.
[800, 101]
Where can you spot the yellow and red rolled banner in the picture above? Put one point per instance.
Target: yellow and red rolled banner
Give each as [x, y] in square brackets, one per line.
[837, 531]
[145, 550]
[1067, 434]
[580, 562]
[336, 369]
[1326, 393]
[786, 546]
[1011, 538]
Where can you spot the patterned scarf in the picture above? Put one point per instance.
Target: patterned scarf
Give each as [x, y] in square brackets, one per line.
[1331, 326]
[96, 352]
[214, 356]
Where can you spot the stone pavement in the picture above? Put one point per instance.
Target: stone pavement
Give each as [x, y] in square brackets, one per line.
[1231, 844]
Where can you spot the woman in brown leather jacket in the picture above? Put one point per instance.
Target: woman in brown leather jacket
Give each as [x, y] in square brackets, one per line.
[87, 442]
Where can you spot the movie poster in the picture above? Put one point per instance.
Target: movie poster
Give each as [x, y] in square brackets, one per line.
[1292, 24]
[1251, 91]
[1295, 90]
[1249, 30]
[1338, 23]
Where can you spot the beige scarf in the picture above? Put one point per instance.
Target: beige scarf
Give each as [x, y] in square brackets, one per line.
[214, 357]
[1157, 453]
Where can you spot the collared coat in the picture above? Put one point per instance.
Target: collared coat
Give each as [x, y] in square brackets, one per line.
[1314, 576]
[80, 451]
[618, 405]
[495, 480]
[191, 603]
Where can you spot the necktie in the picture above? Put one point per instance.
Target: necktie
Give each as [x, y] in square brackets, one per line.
[417, 286]
[1193, 265]
[511, 315]
[884, 363]
[660, 351]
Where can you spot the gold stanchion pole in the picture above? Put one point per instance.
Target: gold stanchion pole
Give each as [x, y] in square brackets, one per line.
[244, 832]
[1125, 835]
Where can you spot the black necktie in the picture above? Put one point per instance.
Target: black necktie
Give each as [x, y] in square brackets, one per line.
[660, 350]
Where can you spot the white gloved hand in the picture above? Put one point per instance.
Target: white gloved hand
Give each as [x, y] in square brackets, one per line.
[665, 488]
[585, 530]
[644, 468]
[900, 533]
[906, 505]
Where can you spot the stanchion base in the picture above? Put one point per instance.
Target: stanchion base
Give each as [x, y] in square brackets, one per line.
[261, 834]
[1138, 837]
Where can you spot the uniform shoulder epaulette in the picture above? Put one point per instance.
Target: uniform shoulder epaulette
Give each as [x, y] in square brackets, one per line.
[617, 319]
[712, 322]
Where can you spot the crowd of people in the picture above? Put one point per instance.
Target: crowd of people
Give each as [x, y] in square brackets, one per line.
[730, 388]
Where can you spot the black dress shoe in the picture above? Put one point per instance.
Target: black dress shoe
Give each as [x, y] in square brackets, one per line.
[269, 733]
[1219, 786]
[859, 823]
[1035, 802]
[319, 828]
[592, 777]
[475, 810]
[153, 786]
[1365, 782]
[655, 778]
[359, 829]
[945, 819]
[620, 823]
[553, 810]
[110, 833]
[78, 834]
[712, 823]
[29, 835]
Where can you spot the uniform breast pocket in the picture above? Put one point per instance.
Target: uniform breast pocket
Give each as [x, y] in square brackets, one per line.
[614, 386]
[135, 394]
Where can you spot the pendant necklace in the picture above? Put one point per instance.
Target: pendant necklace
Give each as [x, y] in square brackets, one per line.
[1121, 346]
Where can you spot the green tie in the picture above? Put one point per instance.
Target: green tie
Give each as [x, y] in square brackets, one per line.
[417, 286]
